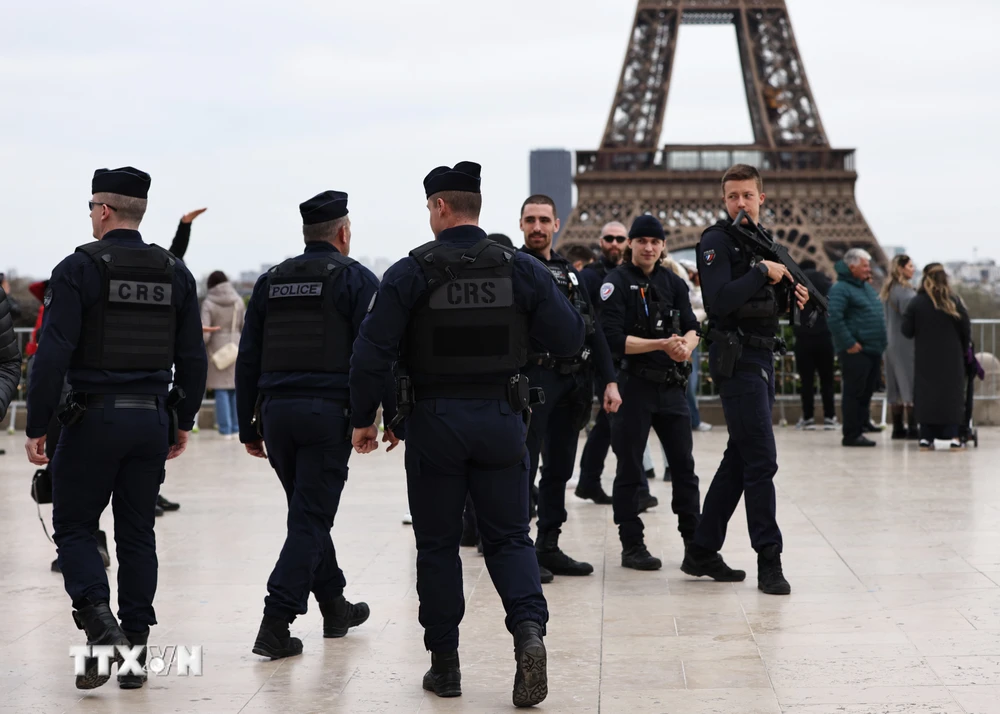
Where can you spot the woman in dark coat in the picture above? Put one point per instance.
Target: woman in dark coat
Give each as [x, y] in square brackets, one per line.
[939, 324]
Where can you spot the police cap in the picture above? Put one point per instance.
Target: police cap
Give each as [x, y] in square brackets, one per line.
[327, 206]
[647, 226]
[464, 177]
[125, 181]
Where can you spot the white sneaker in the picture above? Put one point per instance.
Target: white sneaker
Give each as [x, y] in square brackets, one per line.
[831, 423]
[407, 519]
[805, 424]
[703, 427]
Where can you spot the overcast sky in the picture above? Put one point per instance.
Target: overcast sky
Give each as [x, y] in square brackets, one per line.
[251, 107]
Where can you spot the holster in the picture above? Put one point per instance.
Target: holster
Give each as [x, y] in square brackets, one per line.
[174, 399]
[404, 400]
[72, 411]
[731, 349]
[41, 486]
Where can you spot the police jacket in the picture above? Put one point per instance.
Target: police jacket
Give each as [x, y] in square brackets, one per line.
[119, 280]
[10, 356]
[552, 324]
[571, 285]
[299, 330]
[593, 276]
[640, 305]
[736, 292]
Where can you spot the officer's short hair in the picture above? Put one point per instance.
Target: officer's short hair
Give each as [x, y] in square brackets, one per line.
[128, 208]
[574, 253]
[462, 203]
[324, 232]
[743, 172]
[540, 199]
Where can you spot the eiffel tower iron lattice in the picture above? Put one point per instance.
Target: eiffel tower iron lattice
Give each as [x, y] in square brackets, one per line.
[811, 206]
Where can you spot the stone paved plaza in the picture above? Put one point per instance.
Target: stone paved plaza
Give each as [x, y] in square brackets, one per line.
[893, 556]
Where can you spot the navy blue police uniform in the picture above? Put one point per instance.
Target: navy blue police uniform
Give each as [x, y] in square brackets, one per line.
[652, 386]
[460, 315]
[292, 392]
[743, 311]
[568, 384]
[122, 321]
[595, 450]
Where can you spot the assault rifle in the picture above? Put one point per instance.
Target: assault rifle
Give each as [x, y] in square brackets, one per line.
[754, 237]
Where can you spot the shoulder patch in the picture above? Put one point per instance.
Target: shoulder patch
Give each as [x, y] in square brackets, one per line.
[606, 290]
[371, 305]
[47, 300]
[709, 256]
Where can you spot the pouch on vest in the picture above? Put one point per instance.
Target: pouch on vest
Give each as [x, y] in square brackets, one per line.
[467, 322]
[303, 330]
[133, 324]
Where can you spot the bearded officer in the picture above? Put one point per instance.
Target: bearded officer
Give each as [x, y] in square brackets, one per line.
[120, 314]
[293, 406]
[466, 312]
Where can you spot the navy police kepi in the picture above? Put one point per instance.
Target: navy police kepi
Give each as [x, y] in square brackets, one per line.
[459, 315]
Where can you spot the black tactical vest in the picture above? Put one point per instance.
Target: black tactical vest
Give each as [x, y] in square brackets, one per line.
[650, 315]
[304, 331]
[133, 324]
[467, 322]
[569, 286]
[759, 314]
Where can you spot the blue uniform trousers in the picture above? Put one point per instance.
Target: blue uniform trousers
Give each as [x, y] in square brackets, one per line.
[750, 460]
[552, 427]
[595, 451]
[117, 455]
[456, 447]
[308, 444]
[663, 408]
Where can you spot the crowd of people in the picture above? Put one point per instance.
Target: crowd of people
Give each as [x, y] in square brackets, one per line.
[485, 359]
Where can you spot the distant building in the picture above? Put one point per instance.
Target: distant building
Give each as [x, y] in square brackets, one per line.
[551, 172]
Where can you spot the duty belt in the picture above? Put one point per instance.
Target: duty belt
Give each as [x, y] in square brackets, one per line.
[122, 401]
[771, 344]
[668, 377]
[460, 391]
[560, 366]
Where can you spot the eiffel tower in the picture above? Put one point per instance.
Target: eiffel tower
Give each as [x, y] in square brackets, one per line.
[810, 204]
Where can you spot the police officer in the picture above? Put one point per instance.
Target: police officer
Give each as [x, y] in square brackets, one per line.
[119, 315]
[568, 385]
[595, 451]
[293, 406]
[467, 312]
[652, 331]
[744, 297]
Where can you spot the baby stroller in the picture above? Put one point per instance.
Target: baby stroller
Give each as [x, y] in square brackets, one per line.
[968, 431]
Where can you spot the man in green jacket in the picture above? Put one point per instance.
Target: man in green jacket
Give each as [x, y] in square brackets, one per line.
[857, 324]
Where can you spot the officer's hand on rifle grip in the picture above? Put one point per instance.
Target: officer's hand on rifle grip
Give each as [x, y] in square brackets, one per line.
[776, 272]
[801, 295]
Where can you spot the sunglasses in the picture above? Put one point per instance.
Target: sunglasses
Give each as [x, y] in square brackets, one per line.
[91, 204]
[614, 239]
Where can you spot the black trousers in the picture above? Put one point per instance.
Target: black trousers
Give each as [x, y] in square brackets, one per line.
[595, 451]
[117, 455]
[308, 444]
[665, 409]
[814, 354]
[860, 376]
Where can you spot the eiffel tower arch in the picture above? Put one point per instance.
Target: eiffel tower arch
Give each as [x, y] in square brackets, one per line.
[810, 205]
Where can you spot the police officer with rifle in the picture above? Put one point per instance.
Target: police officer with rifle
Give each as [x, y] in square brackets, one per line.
[568, 385]
[293, 405]
[745, 289]
[652, 331]
[459, 316]
[120, 316]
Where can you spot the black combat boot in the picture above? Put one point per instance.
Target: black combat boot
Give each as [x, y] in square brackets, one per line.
[102, 629]
[595, 494]
[167, 505]
[699, 562]
[135, 681]
[554, 560]
[646, 501]
[274, 641]
[339, 616]
[770, 579]
[545, 574]
[638, 558]
[531, 684]
[898, 429]
[444, 678]
[102, 547]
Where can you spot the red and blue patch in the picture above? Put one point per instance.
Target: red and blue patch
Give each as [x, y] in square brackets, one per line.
[709, 256]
